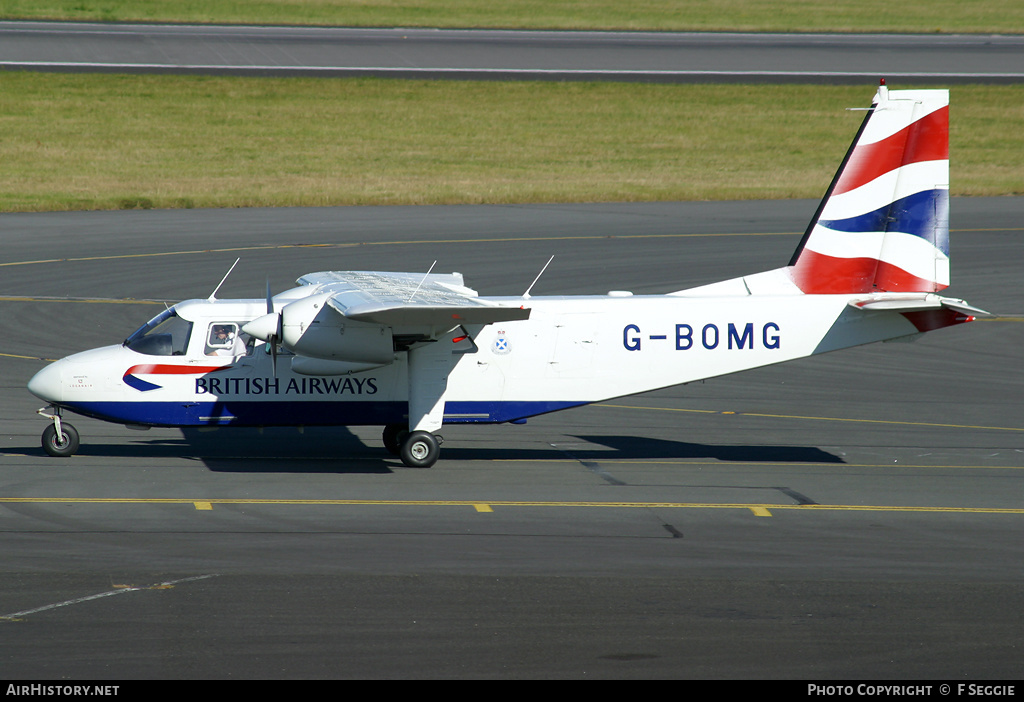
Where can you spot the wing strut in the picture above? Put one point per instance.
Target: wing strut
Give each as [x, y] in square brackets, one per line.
[429, 366]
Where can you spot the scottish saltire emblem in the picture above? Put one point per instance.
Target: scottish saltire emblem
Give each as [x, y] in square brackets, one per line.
[501, 345]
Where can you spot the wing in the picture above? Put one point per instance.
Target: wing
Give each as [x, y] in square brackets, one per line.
[403, 299]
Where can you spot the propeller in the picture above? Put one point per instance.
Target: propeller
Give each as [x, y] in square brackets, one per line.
[267, 328]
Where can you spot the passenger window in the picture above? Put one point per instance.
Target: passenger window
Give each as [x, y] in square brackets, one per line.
[225, 339]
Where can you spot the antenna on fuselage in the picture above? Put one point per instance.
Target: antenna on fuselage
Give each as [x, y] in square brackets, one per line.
[422, 281]
[213, 295]
[526, 295]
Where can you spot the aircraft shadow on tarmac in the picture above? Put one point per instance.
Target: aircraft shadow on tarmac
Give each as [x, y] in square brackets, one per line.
[645, 447]
[337, 450]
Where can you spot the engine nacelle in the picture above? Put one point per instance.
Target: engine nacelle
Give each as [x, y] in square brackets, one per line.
[310, 327]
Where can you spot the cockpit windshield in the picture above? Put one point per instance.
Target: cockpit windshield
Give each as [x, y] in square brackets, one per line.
[167, 334]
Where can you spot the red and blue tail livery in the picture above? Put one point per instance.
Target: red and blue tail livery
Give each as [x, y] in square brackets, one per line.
[883, 225]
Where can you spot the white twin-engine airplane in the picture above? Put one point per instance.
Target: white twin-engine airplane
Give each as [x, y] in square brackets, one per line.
[411, 352]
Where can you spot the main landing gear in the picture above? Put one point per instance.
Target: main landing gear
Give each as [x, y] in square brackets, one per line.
[417, 449]
[60, 439]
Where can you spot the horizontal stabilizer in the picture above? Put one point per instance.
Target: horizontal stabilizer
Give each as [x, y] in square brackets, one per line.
[917, 303]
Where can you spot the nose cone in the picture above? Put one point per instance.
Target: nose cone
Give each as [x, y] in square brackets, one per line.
[264, 328]
[47, 384]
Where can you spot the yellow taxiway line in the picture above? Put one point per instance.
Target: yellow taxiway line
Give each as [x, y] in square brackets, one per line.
[740, 413]
[486, 506]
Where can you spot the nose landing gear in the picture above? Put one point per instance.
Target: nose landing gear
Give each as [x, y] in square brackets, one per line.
[60, 439]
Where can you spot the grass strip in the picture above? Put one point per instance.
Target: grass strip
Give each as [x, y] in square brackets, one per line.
[73, 142]
[984, 16]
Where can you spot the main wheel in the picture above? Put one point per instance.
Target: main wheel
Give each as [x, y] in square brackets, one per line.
[61, 446]
[420, 450]
[393, 436]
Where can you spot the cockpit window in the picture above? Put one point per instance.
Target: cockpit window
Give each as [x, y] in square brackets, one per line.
[225, 339]
[167, 334]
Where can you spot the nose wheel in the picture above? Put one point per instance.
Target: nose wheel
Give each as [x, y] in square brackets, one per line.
[60, 439]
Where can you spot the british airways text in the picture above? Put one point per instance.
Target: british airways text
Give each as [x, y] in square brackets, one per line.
[294, 386]
[710, 336]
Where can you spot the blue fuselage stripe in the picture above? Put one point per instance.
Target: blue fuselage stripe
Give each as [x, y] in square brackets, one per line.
[248, 413]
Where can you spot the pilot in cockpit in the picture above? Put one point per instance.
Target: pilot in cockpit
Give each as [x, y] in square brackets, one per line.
[224, 340]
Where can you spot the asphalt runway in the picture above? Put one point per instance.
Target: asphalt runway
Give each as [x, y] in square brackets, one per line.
[852, 516]
[512, 55]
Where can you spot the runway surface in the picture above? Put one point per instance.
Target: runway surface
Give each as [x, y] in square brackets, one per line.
[853, 516]
[505, 55]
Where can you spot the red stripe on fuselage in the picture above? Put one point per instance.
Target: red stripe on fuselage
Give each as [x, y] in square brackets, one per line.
[167, 369]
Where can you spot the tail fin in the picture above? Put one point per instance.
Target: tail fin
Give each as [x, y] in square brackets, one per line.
[883, 225]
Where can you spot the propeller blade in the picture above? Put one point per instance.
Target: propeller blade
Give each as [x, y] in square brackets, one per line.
[273, 339]
[267, 328]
